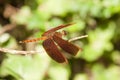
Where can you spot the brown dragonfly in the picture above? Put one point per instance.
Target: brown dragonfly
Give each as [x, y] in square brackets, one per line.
[51, 38]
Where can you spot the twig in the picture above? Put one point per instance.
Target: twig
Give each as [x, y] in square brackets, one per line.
[34, 52]
[76, 38]
[17, 51]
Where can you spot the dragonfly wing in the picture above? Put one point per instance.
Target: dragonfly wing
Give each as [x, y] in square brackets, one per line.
[66, 46]
[52, 50]
[56, 28]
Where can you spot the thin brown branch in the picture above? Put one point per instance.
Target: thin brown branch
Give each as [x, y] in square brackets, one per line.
[17, 51]
[76, 38]
[33, 52]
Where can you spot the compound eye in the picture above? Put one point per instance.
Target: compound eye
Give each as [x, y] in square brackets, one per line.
[64, 32]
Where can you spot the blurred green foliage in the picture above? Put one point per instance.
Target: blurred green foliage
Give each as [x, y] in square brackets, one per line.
[99, 19]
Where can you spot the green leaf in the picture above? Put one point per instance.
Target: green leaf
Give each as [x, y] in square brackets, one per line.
[25, 67]
[99, 41]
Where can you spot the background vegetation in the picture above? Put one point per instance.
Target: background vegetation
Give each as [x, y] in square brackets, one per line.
[25, 19]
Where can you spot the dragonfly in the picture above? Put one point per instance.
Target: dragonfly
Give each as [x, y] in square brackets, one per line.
[52, 39]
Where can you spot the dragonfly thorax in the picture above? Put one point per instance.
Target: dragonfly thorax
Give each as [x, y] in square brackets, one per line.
[60, 34]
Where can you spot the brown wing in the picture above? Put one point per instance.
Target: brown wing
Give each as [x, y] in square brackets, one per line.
[65, 45]
[53, 51]
[56, 28]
